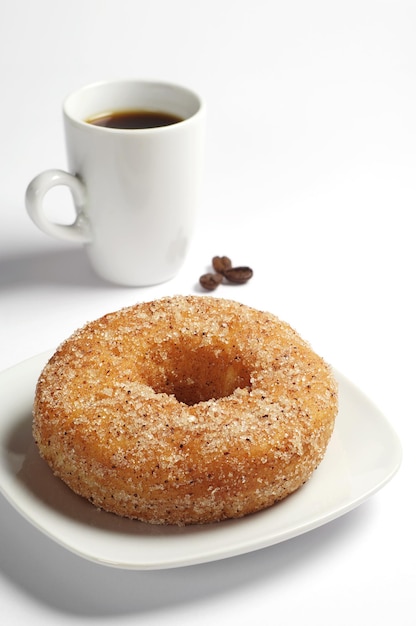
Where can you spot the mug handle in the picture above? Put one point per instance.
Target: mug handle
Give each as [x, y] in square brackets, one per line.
[79, 231]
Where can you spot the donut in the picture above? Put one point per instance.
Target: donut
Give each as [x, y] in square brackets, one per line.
[184, 410]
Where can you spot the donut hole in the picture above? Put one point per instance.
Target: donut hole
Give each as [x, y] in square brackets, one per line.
[198, 374]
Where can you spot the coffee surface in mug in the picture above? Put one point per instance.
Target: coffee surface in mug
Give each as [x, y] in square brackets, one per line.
[133, 119]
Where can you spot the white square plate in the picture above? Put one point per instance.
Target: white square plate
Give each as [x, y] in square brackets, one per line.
[364, 454]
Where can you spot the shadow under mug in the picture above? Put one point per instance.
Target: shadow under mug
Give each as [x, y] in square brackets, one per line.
[136, 191]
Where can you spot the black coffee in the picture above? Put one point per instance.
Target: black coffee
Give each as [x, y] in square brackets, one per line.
[134, 119]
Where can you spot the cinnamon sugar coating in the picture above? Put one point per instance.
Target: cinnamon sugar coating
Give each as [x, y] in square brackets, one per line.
[184, 410]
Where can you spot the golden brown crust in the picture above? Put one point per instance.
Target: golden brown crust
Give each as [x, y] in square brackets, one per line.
[184, 410]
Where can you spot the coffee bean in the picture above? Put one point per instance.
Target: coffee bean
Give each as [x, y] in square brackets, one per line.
[238, 275]
[210, 281]
[221, 263]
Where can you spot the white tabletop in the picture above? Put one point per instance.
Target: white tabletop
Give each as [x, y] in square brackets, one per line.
[311, 180]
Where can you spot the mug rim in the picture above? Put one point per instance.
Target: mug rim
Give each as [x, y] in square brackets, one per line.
[81, 119]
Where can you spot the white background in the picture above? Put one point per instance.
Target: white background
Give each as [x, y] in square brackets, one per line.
[311, 180]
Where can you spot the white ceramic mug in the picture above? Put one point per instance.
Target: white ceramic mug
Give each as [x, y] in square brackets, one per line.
[135, 191]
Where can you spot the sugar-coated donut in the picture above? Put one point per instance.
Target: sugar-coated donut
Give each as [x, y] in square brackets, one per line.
[188, 409]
